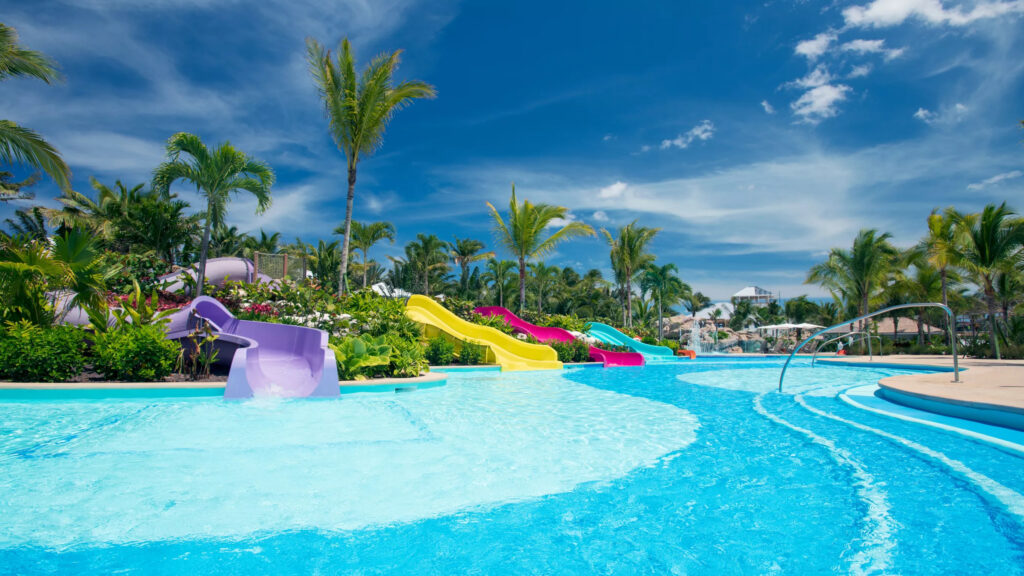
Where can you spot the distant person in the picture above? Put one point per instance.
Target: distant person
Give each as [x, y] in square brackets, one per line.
[841, 351]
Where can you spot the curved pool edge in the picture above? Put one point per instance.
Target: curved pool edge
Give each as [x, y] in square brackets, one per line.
[130, 390]
[868, 399]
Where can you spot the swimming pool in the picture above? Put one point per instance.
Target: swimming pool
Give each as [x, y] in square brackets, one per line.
[675, 468]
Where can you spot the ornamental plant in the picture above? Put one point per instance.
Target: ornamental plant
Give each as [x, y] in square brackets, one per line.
[135, 352]
[30, 353]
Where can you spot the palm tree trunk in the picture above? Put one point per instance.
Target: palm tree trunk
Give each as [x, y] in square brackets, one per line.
[201, 276]
[629, 298]
[364, 267]
[501, 294]
[348, 228]
[945, 302]
[660, 333]
[522, 283]
[920, 327]
[990, 300]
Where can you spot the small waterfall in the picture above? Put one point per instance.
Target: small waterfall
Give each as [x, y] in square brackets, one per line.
[695, 343]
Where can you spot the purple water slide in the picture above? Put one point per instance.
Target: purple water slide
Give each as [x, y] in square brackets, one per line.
[269, 359]
[218, 270]
[552, 333]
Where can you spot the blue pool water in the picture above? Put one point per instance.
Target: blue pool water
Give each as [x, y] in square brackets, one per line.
[683, 468]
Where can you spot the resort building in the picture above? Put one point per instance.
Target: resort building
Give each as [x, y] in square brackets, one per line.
[755, 294]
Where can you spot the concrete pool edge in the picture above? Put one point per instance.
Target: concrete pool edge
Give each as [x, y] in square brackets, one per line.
[114, 390]
[989, 391]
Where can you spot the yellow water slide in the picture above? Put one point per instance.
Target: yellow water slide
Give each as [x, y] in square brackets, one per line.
[509, 352]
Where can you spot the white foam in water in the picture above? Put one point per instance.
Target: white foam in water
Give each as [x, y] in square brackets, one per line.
[1010, 500]
[95, 473]
[879, 526]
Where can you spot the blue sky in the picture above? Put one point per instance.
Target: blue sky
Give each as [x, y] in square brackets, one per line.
[756, 135]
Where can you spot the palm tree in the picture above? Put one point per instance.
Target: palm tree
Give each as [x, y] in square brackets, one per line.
[19, 145]
[11, 189]
[226, 241]
[523, 234]
[265, 244]
[364, 236]
[103, 216]
[426, 255]
[30, 268]
[988, 244]
[859, 275]
[926, 285]
[666, 288]
[629, 256]
[696, 302]
[30, 223]
[216, 174]
[498, 274]
[800, 310]
[543, 276]
[324, 259]
[359, 109]
[464, 252]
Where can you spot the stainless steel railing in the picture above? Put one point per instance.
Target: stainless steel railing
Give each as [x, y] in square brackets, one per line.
[950, 326]
[863, 336]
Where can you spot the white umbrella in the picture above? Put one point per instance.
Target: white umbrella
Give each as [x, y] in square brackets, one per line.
[806, 326]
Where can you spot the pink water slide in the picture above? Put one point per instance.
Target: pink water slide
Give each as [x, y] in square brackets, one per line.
[555, 334]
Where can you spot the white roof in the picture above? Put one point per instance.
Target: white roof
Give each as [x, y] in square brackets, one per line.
[752, 292]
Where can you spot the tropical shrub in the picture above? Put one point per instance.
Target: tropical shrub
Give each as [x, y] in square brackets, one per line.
[145, 269]
[440, 352]
[572, 351]
[135, 352]
[670, 344]
[361, 357]
[496, 322]
[199, 353]
[471, 354]
[407, 358]
[460, 307]
[30, 353]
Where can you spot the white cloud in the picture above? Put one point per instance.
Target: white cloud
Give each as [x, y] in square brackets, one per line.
[645, 148]
[613, 191]
[949, 115]
[820, 102]
[883, 13]
[559, 222]
[111, 153]
[768, 108]
[859, 71]
[600, 216]
[925, 115]
[814, 48]
[817, 77]
[872, 47]
[608, 137]
[995, 180]
[704, 130]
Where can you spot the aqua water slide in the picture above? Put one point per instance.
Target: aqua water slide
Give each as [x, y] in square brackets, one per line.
[509, 352]
[551, 333]
[609, 335]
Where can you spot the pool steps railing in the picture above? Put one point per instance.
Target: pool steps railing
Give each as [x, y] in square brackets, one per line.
[950, 326]
[848, 335]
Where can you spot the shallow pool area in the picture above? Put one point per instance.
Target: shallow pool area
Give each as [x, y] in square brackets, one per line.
[674, 468]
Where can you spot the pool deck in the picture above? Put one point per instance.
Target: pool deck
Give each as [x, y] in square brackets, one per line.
[987, 387]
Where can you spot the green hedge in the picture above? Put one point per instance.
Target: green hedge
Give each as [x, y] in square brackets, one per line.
[29, 353]
[136, 353]
[572, 351]
[440, 352]
[471, 354]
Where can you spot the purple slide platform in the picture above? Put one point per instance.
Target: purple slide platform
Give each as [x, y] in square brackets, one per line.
[269, 359]
[551, 333]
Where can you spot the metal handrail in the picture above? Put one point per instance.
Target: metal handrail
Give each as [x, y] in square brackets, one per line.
[950, 325]
[848, 335]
